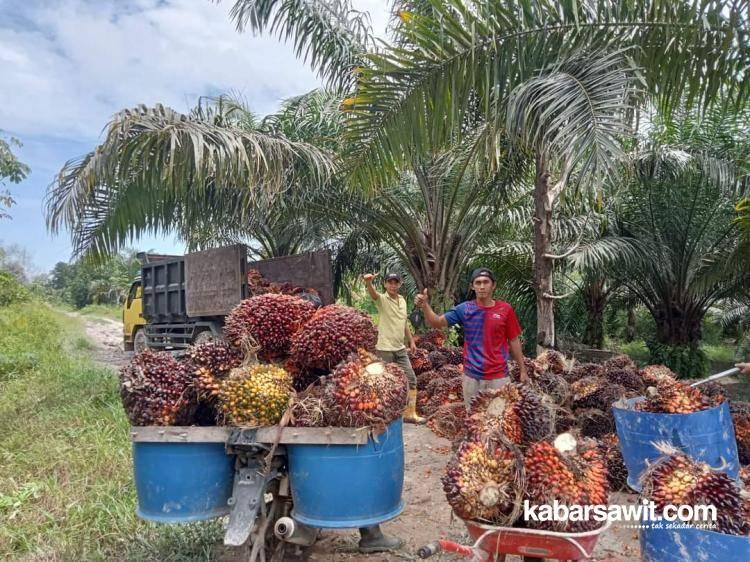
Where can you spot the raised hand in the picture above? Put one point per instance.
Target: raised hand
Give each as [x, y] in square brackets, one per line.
[421, 299]
[368, 277]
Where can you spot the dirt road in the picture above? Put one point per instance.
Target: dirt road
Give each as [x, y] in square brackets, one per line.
[427, 515]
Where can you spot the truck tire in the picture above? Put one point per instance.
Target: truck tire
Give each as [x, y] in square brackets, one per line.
[203, 336]
[140, 343]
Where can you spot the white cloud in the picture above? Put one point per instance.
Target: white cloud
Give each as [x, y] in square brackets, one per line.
[67, 66]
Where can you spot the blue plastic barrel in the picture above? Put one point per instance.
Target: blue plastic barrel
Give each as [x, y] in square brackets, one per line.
[692, 545]
[348, 486]
[706, 436]
[182, 482]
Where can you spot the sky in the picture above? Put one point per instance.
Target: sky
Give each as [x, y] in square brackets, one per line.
[67, 66]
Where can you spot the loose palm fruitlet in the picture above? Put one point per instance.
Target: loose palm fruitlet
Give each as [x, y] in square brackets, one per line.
[483, 482]
[364, 391]
[255, 396]
[514, 412]
[674, 397]
[675, 479]
[213, 361]
[570, 472]
[156, 389]
[269, 320]
[617, 472]
[550, 360]
[332, 333]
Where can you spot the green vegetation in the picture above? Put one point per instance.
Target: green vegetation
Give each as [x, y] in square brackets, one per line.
[66, 488]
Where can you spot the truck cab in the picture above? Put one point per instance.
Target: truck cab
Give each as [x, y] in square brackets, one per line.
[133, 322]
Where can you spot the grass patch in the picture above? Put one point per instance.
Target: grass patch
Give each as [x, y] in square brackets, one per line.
[108, 311]
[720, 353]
[66, 490]
[636, 349]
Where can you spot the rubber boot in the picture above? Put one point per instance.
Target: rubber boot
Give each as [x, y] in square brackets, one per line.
[410, 414]
[373, 540]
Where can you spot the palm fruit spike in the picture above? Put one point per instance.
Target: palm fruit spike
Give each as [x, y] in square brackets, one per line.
[514, 412]
[481, 482]
[652, 374]
[617, 473]
[742, 436]
[156, 389]
[269, 321]
[619, 362]
[213, 361]
[595, 423]
[255, 396]
[584, 370]
[627, 378]
[363, 391]
[332, 333]
[674, 397]
[449, 421]
[554, 386]
[551, 360]
[420, 361]
[677, 479]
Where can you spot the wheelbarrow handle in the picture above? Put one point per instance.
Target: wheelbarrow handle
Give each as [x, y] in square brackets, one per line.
[717, 376]
[476, 554]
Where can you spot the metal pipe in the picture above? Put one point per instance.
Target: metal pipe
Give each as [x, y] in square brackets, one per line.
[289, 530]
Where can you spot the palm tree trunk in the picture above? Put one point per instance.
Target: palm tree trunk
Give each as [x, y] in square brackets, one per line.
[630, 329]
[595, 299]
[545, 312]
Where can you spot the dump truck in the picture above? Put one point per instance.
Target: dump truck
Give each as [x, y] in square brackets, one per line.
[182, 300]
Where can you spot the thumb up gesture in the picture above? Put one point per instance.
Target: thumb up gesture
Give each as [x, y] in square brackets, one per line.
[421, 299]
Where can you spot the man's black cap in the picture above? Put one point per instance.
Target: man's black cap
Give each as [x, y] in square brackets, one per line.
[482, 272]
[393, 276]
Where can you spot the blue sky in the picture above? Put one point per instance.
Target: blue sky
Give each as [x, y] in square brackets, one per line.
[67, 66]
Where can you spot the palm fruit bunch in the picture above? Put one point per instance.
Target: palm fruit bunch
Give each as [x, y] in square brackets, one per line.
[583, 371]
[438, 358]
[431, 340]
[255, 396]
[674, 397]
[157, 389]
[595, 392]
[515, 372]
[677, 479]
[554, 386]
[595, 423]
[652, 374]
[419, 360]
[268, 321]
[213, 361]
[332, 333]
[566, 471]
[628, 378]
[364, 391]
[739, 408]
[450, 371]
[621, 361]
[455, 355]
[449, 421]
[565, 420]
[742, 436]
[617, 473]
[441, 392]
[424, 378]
[481, 482]
[514, 412]
[714, 391]
[259, 285]
[551, 360]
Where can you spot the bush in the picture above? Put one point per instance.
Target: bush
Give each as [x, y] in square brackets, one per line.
[11, 290]
[687, 361]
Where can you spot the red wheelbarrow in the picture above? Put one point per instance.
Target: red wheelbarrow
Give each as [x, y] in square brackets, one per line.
[494, 543]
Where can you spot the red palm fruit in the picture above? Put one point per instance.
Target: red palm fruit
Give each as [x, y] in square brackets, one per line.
[619, 362]
[551, 360]
[584, 370]
[449, 421]
[420, 361]
[431, 340]
[628, 378]
[515, 372]
[674, 397]
[617, 472]
[652, 374]
[742, 436]
[213, 361]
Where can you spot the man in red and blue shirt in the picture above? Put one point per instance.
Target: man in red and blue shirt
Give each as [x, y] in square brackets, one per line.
[491, 335]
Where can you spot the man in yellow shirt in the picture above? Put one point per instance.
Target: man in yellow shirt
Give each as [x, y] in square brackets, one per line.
[394, 334]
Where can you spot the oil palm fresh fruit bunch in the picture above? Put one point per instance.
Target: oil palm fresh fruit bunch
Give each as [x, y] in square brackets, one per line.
[255, 395]
[595, 423]
[677, 479]
[670, 396]
[652, 374]
[554, 386]
[568, 472]
[515, 372]
[364, 391]
[450, 371]
[431, 340]
[157, 389]
[715, 391]
[333, 332]
[455, 355]
[449, 421]
[742, 436]
[565, 420]
[268, 321]
[302, 377]
[438, 358]
[420, 361]
[482, 482]
[595, 392]
[582, 371]
[424, 378]
[551, 360]
[213, 361]
[628, 378]
[621, 361]
[617, 473]
[441, 392]
[514, 412]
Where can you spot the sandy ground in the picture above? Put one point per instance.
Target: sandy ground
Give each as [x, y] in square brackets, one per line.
[427, 515]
